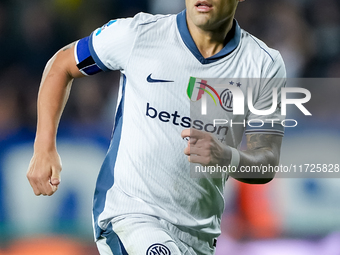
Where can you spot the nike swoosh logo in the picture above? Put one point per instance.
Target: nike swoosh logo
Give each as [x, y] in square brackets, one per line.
[149, 79]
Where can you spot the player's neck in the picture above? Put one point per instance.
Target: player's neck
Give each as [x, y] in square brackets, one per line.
[209, 42]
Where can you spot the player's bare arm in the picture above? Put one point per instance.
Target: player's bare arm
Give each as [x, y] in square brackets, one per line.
[261, 149]
[45, 166]
[206, 149]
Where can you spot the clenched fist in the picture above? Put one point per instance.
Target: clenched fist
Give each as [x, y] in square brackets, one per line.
[44, 172]
[205, 149]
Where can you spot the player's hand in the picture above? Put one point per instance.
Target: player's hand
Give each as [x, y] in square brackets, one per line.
[205, 149]
[44, 172]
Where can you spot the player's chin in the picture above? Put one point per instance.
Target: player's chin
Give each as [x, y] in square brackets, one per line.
[204, 21]
[202, 17]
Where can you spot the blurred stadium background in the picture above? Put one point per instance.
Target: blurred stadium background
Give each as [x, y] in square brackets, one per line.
[287, 216]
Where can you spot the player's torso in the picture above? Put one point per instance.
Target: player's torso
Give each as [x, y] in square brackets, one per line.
[151, 164]
[158, 103]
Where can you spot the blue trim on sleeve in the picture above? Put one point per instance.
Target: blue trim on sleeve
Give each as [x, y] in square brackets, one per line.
[95, 56]
[233, 39]
[266, 128]
[106, 175]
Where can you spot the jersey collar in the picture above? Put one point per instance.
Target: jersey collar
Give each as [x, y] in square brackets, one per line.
[233, 39]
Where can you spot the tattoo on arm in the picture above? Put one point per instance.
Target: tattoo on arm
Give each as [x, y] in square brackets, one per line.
[258, 144]
[261, 149]
[257, 141]
[68, 46]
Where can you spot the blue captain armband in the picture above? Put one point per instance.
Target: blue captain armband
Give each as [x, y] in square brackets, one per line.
[85, 62]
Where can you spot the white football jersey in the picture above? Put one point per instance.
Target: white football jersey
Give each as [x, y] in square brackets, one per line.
[145, 170]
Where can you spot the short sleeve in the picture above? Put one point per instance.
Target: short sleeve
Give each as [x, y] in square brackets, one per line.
[274, 78]
[108, 47]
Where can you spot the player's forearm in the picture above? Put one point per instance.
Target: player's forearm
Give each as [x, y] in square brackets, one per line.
[205, 149]
[249, 170]
[53, 94]
[262, 150]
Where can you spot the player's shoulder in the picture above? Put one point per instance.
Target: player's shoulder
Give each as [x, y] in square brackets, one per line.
[129, 28]
[258, 47]
[270, 59]
[144, 19]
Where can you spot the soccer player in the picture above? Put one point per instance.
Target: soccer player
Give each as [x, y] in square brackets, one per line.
[145, 201]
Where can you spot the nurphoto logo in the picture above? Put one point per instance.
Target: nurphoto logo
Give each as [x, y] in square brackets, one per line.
[235, 96]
